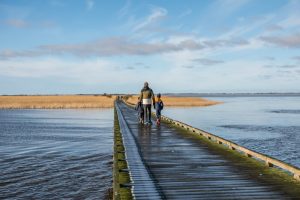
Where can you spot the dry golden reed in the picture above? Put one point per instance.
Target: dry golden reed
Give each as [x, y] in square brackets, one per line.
[180, 101]
[56, 102]
[88, 101]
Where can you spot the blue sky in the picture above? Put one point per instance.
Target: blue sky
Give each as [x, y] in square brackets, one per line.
[91, 46]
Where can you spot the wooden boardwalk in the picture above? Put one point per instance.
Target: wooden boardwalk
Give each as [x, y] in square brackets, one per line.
[175, 165]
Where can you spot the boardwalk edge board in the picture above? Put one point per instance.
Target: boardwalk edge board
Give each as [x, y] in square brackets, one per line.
[269, 161]
[142, 185]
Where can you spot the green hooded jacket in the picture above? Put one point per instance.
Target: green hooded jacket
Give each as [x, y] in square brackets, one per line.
[147, 93]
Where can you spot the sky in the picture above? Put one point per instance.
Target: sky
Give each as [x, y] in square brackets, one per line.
[99, 46]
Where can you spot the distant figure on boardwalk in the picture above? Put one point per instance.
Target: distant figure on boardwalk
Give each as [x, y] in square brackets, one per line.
[140, 109]
[159, 105]
[147, 98]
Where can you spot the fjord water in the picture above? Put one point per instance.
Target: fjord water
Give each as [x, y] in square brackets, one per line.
[270, 124]
[55, 154]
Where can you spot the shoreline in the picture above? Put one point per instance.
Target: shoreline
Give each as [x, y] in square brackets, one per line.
[88, 101]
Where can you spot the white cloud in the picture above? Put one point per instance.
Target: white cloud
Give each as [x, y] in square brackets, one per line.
[232, 76]
[291, 15]
[87, 71]
[296, 58]
[156, 15]
[291, 21]
[229, 6]
[105, 47]
[125, 9]
[249, 74]
[290, 40]
[219, 10]
[274, 27]
[48, 67]
[207, 61]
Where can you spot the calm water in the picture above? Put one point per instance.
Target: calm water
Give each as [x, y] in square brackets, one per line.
[55, 154]
[269, 125]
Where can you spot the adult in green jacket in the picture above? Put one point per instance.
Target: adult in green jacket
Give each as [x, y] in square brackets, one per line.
[147, 98]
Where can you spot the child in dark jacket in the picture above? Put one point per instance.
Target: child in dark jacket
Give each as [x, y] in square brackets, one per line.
[159, 105]
[139, 108]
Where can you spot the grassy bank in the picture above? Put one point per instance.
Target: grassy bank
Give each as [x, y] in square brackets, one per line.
[180, 101]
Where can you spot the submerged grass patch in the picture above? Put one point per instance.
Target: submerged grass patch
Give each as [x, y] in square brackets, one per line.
[120, 178]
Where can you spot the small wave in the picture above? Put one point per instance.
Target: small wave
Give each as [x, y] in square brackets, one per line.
[285, 111]
[249, 127]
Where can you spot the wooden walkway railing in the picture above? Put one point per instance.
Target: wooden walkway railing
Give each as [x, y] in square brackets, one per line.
[269, 161]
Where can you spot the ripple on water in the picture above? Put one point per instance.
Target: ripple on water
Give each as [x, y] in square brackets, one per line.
[285, 111]
[39, 160]
[281, 137]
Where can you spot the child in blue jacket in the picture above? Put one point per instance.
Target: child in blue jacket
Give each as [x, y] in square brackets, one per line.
[159, 105]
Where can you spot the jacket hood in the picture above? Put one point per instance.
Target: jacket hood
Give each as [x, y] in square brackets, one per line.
[146, 88]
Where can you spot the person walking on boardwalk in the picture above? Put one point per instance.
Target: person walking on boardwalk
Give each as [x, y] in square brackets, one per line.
[140, 109]
[159, 105]
[147, 97]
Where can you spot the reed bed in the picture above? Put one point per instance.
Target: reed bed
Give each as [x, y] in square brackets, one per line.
[56, 102]
[88, 101]
[180, 101]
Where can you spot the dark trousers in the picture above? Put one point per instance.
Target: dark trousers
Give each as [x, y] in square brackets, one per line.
[147, 112]
[158, 113]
